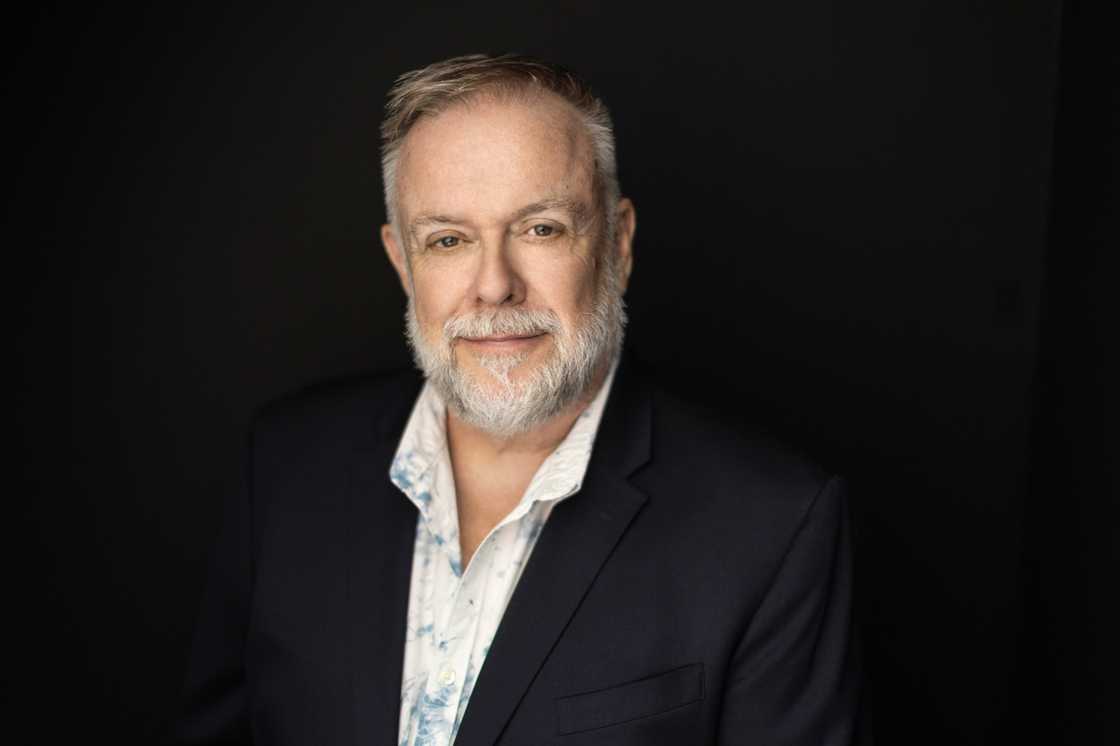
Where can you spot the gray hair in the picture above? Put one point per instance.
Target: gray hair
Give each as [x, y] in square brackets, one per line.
[429, 90]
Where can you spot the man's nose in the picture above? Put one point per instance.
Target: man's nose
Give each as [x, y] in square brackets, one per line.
[497, 282]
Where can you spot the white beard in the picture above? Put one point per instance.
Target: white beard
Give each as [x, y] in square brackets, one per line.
[501, 405]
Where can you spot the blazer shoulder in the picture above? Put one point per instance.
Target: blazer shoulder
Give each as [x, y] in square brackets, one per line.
[728, 489]
[379, 399]
[726, 453]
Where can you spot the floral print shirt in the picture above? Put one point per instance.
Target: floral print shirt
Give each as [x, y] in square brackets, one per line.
[453, 612]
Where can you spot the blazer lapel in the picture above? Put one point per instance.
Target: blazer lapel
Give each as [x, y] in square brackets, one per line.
[577, 539]
[382, 532]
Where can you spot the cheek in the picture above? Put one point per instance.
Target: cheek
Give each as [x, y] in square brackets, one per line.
[435, 297]
[569, 290]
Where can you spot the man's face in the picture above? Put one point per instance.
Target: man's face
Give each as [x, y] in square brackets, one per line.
[514, 295]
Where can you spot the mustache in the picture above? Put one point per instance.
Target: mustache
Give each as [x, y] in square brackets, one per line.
[504, 322]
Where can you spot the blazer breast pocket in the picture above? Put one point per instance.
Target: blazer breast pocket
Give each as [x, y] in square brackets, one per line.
[633, 700]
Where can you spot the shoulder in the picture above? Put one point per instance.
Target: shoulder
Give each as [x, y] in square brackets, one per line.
[715, 461]
[725, 496]
[373, 401]
[728, 445]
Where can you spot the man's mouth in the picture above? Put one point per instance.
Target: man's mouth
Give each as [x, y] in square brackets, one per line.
[499, 338]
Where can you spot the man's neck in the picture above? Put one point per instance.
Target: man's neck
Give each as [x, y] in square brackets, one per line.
[492, 473]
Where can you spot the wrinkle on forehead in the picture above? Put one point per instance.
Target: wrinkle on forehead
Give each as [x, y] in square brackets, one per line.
[558, 124]
[580, 212]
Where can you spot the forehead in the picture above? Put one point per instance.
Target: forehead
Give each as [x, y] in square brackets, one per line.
[491, 155]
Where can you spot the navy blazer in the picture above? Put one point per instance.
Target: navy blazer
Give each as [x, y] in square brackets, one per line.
[697, 590]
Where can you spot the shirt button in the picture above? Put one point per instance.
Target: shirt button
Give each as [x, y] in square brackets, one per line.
[447, 676]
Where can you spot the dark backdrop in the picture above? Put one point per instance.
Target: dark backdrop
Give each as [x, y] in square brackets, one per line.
[880, 228]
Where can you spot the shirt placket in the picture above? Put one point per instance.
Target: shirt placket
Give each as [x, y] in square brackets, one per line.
[456, 642]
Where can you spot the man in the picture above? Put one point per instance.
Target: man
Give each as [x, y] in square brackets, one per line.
[535, 545]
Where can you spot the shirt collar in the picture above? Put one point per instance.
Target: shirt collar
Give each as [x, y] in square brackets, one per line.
[421, 467]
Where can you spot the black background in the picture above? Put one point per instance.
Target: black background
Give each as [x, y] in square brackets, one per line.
[881, 228]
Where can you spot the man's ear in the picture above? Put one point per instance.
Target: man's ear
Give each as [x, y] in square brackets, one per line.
[396, 256]
[626, 223]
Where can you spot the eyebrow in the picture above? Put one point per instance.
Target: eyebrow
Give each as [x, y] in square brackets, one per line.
[578, 210]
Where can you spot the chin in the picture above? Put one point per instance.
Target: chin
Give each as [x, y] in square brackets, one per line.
[498, 373]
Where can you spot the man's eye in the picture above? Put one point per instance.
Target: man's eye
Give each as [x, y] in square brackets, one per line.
[542, 230]
[446, 242]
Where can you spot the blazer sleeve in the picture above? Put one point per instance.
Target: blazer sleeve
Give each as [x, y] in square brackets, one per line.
[213, 707]
[795, 676]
